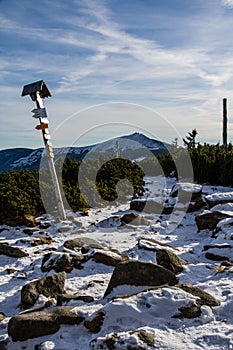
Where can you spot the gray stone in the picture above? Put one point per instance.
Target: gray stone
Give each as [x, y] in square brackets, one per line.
[134, 219]
[13, 252]
[94, 324]
[205, 298]
[209, 219]
[57, 261]
[81, 242]
[170, 260]
[49, 286]
[65, 298]
[2, 316]
[147, 206]
[109, 257]
[40, 323]
[139, 273]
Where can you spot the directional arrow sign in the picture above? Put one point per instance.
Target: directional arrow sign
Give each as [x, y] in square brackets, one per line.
[41, 126]
[39, 113]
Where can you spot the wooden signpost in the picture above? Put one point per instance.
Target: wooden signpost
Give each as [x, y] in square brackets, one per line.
[224, 130]
[38, 91]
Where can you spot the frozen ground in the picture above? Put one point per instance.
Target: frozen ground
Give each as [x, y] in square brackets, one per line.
[213, 329]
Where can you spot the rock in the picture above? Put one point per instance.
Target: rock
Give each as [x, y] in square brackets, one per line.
[147, 206]
[191, 311]
[209, 219]
[146, 337]
[94, 324]
[4, 344]
[109, 257]
[139, 273]
[44, 225]
[170, 260]
[134, 219]
[113, 221]
[13, 252]
[78, 260]
[49, 286]
[11, 271]
[80, 242]
[40, 240]
[30, 231]
[215, 257]
[2, 229]
[186, 191]
[40, 323]
[195, 205]
[2, 316]
[218, 252]
[57, 261]
[205, 298]
[153, 244]
[65, 298]
[218, 198]
[118, 341]
[137, 204]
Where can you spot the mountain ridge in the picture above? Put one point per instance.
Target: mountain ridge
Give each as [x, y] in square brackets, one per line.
[133, 145]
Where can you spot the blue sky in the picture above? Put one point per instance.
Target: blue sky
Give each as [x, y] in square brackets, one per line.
[113, 67]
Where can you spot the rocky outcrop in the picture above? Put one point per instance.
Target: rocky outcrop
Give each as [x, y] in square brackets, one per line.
[40, 323]
[49, 286]
[170, 261]
[13, 252]
[139, 273]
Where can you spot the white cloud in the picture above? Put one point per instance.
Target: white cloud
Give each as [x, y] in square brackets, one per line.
[228, 3]
[92, 58]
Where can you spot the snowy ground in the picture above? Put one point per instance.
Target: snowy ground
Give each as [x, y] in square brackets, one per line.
[212, 330]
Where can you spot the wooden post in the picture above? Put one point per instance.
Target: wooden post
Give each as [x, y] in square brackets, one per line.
[50, 156]
[224, 130]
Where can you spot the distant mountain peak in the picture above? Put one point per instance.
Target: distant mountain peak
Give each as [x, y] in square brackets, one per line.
[24, 158]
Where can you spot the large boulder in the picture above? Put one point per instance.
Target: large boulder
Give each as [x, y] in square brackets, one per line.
[14, 252]
[139, 273]
[49, 286]
[40, 323]
[170, 260]
[209, 219]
